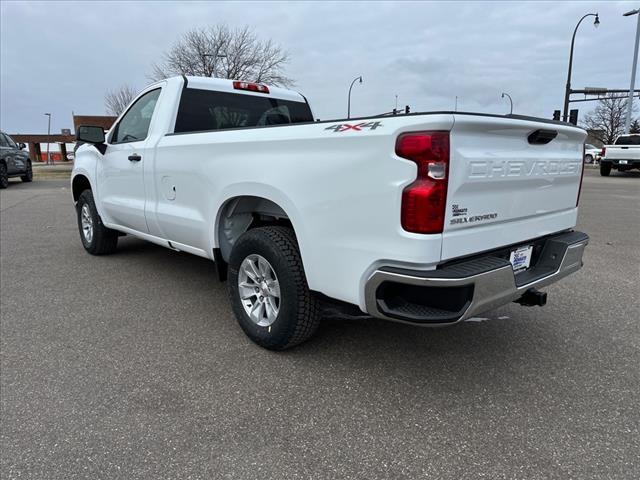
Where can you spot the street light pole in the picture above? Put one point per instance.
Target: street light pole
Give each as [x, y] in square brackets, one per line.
[349, 99]
[505, 94]
[567, 91]
[627, 122]
[48, 137]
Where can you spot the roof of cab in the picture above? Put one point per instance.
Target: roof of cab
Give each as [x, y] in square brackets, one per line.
[225, 85]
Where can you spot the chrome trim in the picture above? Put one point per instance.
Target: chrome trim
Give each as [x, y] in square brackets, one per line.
[492, 289]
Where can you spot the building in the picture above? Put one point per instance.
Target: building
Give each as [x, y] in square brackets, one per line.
[34, 141]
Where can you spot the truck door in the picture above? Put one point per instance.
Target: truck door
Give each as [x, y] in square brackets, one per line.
[121, 172]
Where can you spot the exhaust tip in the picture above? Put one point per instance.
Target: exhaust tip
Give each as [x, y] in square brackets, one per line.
[533, 298]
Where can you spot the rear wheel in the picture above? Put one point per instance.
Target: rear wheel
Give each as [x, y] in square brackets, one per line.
[588, 159]
[268, 289]
[96, 238]
[28, 175]
[4, 177]
[605, 169]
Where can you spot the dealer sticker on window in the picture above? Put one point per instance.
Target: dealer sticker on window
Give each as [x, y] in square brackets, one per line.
[521, 258]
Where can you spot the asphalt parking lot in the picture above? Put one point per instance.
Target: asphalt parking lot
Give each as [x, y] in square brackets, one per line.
[132, 366]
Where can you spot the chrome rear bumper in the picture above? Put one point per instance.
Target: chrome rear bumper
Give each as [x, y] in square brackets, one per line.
[459, 291]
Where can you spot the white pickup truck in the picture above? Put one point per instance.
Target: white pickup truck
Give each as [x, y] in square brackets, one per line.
[426, 218]
[623, 155]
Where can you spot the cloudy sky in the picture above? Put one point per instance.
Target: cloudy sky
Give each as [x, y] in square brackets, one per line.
[61, 57]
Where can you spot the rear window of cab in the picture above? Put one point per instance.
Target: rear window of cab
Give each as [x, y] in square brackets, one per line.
[205, 110]
[628, 140]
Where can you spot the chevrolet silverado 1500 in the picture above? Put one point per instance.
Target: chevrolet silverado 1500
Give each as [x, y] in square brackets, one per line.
[426, 218]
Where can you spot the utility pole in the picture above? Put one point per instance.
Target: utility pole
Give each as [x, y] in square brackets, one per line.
[627, 122]
[204, 62]
[456, 107]
[48, 137]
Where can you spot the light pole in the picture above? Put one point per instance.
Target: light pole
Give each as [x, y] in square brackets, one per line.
[627, 122]
[567, 91]
[349, 99]
[48, 136]
[505, 94]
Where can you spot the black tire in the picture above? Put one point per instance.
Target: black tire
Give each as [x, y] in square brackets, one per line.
[605, 169]
[588, 159]
[104, 240]
[28, 176]
[299, 310]
[4, 177]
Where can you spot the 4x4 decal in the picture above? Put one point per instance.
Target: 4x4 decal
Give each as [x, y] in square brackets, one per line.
[343, 127]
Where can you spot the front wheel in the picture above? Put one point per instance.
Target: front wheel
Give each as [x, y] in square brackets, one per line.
[605, 169]
[588, 159]
[268, 289]
[96, 238]
[28, 175]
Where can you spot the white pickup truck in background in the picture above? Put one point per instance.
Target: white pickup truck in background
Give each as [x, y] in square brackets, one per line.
[426, 218]
[623, 155]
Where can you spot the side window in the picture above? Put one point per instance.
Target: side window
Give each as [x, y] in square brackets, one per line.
[134, 125]
[3, 141]
[9, 141]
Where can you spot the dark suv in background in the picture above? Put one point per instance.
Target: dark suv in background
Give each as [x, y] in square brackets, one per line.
[14, 161]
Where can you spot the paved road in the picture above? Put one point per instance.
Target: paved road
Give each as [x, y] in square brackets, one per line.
[132, 366]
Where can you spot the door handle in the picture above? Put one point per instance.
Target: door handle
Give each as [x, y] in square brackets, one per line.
[135, 157]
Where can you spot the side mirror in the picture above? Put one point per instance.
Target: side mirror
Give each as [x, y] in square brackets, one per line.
[89, 134]
[22, 146]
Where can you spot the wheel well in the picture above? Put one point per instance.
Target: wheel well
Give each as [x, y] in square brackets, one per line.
[240, 214]
[80, 184]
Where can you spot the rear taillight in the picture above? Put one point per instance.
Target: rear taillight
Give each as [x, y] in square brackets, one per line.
[252, 87]
[581, 175]
[603, 151]
[424, 201]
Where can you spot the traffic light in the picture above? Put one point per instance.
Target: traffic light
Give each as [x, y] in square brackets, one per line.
[573, 117]
[406, 109]
[556, 114]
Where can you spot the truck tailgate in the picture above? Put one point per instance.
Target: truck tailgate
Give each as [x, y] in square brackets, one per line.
[509, 182]
[622, 152]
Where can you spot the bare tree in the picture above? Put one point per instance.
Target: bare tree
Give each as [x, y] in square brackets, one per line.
[606, 121]
[221, 52]
[635, 126]
[115, 101]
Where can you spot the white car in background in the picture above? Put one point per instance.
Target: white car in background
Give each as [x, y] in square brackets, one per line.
[591, 153]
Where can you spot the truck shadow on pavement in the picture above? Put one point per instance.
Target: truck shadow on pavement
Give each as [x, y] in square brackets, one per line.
[509, 340]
